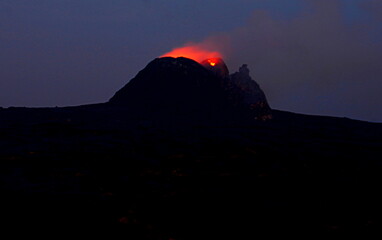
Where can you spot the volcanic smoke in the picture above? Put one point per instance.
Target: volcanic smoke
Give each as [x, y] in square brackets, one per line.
[195, 52]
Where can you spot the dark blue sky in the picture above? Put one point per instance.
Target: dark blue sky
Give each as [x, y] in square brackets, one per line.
[309, 56]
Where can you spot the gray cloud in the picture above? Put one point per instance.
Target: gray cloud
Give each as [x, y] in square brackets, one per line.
[315, 62]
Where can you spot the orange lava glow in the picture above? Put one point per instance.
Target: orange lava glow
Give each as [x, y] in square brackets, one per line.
[212, 62]
[196, 53]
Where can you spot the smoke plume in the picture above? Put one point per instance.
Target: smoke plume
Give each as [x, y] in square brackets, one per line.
[316, 62]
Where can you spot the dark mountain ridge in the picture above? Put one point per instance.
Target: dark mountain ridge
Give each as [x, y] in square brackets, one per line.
[163, 159]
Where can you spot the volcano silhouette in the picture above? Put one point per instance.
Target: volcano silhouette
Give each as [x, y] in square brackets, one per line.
[181, 87]
[186, 150]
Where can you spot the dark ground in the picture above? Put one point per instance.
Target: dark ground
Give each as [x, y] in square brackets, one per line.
[162, 179]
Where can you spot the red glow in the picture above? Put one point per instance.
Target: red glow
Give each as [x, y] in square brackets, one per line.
[194, 52]
[212, 62]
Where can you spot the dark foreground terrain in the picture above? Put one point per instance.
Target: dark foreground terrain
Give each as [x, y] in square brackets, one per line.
[96, 166]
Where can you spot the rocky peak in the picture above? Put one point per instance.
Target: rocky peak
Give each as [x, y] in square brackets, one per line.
[243, 70]
[251, 93]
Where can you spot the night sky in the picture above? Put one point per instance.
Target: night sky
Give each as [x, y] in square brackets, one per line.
[309, 56]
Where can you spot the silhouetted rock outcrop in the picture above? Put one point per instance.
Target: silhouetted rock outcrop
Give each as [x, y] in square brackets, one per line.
[251, 92]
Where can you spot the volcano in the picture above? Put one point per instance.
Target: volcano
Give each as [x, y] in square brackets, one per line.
[186, 150]
[180, 87]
